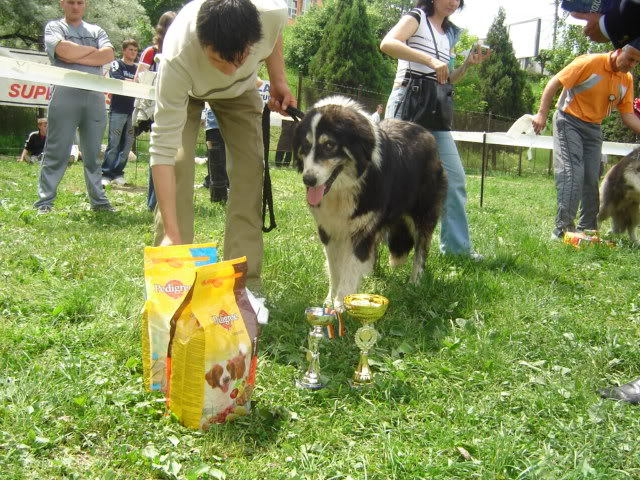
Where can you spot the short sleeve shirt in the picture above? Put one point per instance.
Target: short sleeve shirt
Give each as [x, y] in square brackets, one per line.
[85, 34]
[592, 89]
[122, 71]
[35, 143]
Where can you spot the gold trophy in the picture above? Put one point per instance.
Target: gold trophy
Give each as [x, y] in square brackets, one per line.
[318, 318]
[366, 309]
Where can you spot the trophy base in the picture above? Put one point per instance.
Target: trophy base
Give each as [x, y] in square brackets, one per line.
[359, 384]
[310, 386]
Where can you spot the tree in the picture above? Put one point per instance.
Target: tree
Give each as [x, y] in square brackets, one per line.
[503, 83]
[155, 8]
[348, 54]
[301, 40]
[22, 21]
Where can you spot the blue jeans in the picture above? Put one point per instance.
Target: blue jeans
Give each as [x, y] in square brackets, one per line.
[454, 227]
[120, 142]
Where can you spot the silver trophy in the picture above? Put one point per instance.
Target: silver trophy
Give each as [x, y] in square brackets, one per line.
[318, 318]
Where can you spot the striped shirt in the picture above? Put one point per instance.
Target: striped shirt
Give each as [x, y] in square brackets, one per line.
[591, 89]
[423, 40]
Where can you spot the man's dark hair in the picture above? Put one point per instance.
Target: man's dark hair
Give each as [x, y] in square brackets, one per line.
[129, 42]
[229, 27]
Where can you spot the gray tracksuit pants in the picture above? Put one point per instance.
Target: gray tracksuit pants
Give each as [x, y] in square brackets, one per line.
[577, 152]
[71, 109]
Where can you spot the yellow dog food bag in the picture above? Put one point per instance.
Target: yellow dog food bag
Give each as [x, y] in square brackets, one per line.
[212, 358]
[168, 276]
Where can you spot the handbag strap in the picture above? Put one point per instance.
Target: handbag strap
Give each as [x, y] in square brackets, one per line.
[435, 44]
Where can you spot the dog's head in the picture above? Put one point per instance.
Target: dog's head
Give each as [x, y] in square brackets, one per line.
[218, 377]
[335, 139]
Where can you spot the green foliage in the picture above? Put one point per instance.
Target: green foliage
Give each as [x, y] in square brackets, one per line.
[572, 43]
[503, 84]
[348, 54]
[155, 8]
[384, 14]
[22, 21]
[301, 39]
[466, 90]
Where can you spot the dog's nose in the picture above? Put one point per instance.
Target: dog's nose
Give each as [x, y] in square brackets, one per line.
[309, 180]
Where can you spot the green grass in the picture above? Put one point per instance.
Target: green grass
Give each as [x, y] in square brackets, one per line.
[501, 358]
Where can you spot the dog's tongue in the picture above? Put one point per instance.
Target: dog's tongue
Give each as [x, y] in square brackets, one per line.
[314, 195]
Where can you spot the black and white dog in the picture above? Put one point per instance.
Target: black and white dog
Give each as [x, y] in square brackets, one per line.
[620, 196]
[365, 183]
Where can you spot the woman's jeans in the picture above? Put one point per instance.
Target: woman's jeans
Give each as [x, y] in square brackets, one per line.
[454, 228]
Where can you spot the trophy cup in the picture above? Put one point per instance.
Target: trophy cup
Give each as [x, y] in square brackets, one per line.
[318, 318]
[366, 309]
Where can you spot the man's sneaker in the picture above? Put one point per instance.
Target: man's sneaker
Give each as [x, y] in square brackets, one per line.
[105, 181]
[557, 234]
[476, 257]
[219, 194]
[44, 209]
[119, 180]
[103, 207]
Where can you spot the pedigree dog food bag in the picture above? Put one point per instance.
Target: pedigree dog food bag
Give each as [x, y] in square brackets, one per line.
[168, 276]
[212, 356]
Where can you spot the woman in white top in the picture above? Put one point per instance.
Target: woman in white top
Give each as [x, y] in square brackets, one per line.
[412, 43]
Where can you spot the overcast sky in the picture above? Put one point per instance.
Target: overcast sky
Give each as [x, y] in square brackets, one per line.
[477, 16]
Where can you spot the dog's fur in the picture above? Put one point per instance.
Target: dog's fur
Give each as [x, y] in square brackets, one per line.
[379, 181]
[620, 196]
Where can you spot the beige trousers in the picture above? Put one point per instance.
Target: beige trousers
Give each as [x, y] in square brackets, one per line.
[241, 128]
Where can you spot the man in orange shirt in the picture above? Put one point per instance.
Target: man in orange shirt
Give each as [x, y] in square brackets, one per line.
[592, 86]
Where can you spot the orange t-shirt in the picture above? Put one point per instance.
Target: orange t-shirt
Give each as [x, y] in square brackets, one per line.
[592, 89]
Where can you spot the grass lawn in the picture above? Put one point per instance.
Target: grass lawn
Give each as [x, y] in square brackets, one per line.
[500, 358]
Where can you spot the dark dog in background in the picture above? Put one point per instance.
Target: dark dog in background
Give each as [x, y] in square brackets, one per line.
[365, 183]
[620, 196]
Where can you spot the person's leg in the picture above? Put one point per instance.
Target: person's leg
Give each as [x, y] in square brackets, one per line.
[117, 123]
[287, 158]
[63, 118]
[592, 158]
[185, 173]
[279, 158]
[568, 170]
[454, 227]
[91, 130]
[396, 96]
[126, 142]
[219, 178]
[240, 122]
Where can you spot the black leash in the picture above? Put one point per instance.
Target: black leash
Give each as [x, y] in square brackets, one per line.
[267, 192]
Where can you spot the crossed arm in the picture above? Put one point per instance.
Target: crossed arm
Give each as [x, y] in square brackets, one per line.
[73, 53]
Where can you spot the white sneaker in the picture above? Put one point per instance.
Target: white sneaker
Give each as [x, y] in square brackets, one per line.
[119, 181]
[105, 181]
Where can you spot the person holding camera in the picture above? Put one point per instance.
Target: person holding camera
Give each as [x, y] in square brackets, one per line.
[423, 41]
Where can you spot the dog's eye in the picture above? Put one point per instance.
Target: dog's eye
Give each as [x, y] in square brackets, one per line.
[329, 145]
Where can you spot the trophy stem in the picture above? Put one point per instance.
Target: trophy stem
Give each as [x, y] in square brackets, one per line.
[362, 375]
[311, 380]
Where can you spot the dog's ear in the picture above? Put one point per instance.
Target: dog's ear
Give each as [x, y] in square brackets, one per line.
[213, 376]
[361, 145]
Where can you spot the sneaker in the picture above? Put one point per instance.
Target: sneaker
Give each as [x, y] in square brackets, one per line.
[103, 207]
[44, 209]
[476, 257]
[557, 234]
[119, 180]
[105, 181]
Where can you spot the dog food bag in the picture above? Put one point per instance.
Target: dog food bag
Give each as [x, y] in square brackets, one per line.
[168, 276]
[212, 358]
[582, 239]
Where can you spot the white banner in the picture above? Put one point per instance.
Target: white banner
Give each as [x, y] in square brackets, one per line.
[24, 93]
[21, 73]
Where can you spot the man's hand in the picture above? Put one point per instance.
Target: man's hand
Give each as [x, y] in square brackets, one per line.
[281, 98]
[592, 28]
[539, 122]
